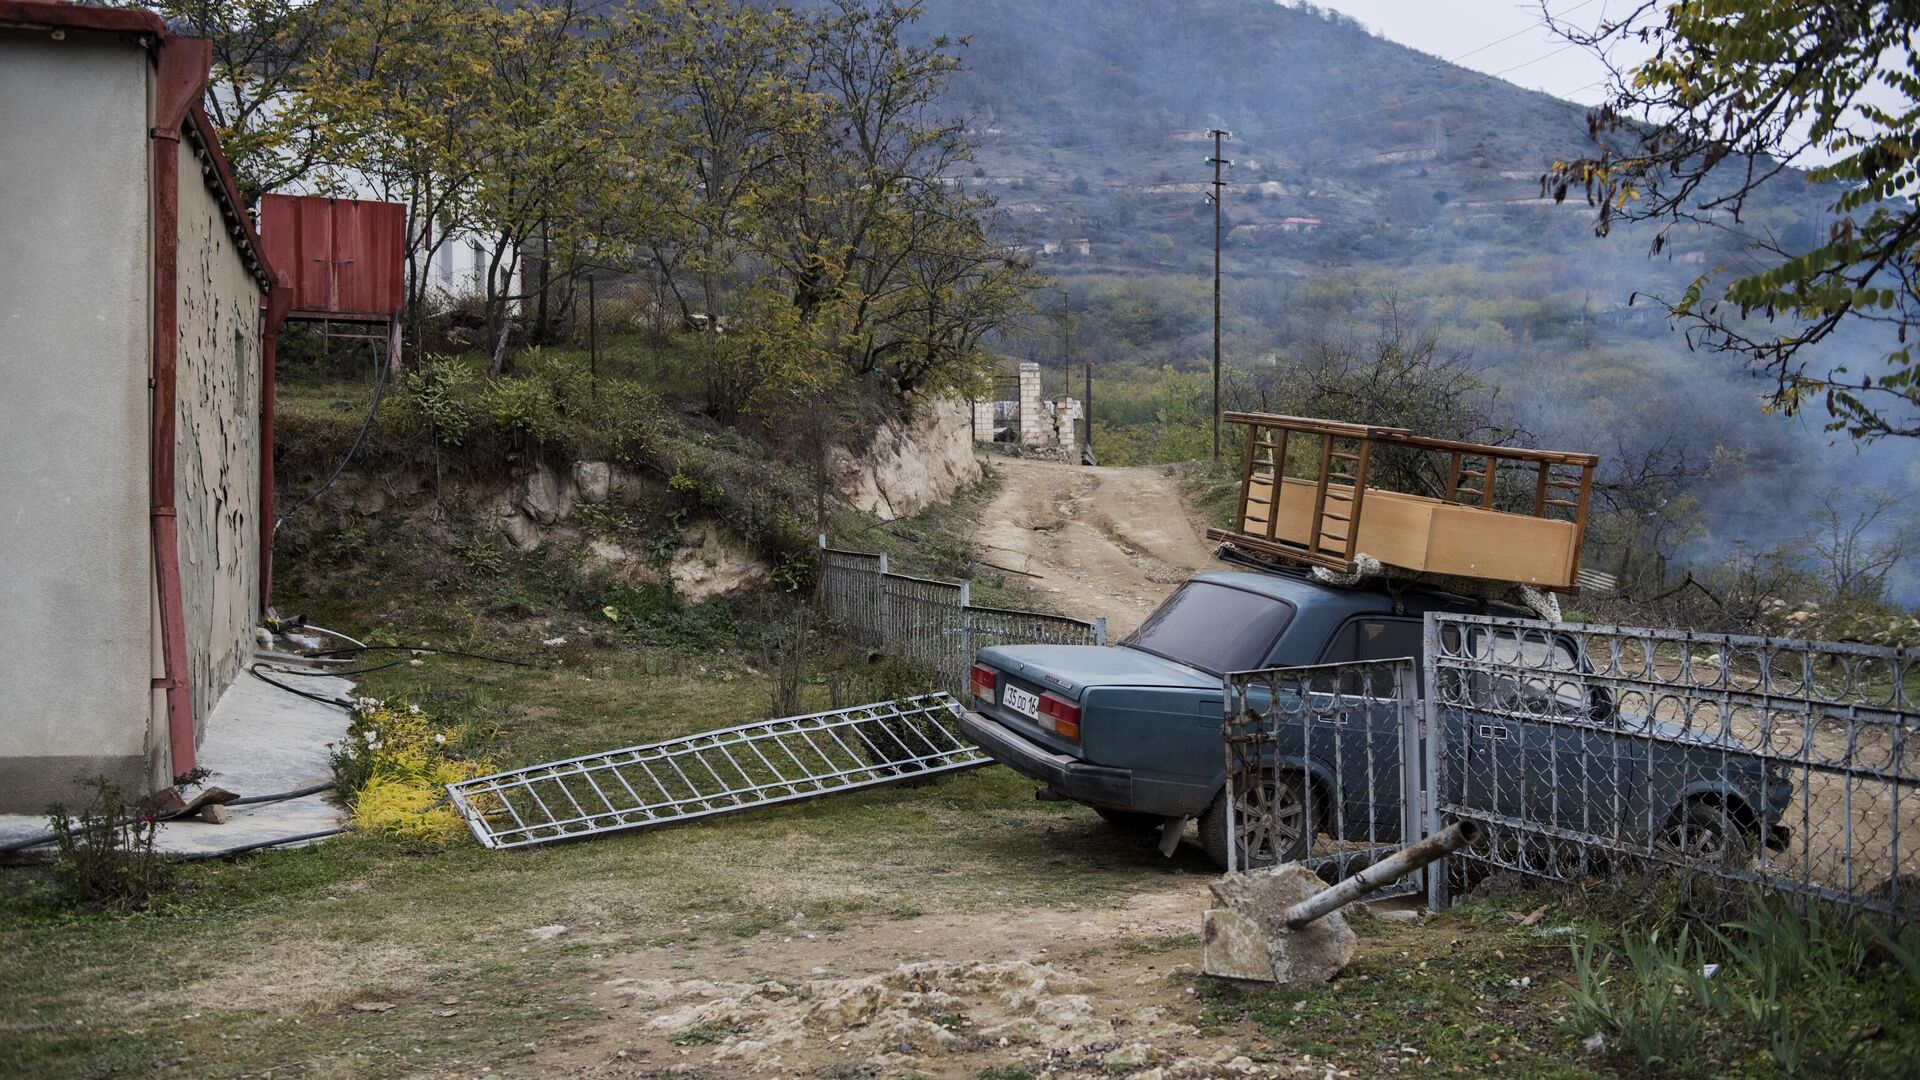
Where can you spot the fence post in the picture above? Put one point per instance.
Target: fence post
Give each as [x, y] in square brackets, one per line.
[882, 609]
[1432, 734]
[1100, 630]
[1228, 712]
[1407, 715]
[966, 635]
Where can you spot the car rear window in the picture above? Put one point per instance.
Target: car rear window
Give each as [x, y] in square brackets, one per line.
[1213, 627]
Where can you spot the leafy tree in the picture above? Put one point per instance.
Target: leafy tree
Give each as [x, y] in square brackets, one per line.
[395, 106]
[809, 166]
[258, 46]
[1734, 95]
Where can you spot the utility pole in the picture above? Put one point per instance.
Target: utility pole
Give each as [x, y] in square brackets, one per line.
[1086, 408]
[1066, 349]
[1213, 197]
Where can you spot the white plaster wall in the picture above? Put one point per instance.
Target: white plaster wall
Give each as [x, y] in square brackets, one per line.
[217, 447]
[74, 556]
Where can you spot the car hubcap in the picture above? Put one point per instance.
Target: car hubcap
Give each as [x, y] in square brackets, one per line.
[1274, 817]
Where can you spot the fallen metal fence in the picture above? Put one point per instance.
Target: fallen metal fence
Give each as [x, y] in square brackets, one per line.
[1324, 766]
[1584, 750]
[717, 772]
[932, 623]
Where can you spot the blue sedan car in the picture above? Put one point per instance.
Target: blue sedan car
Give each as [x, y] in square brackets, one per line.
[1134, 730]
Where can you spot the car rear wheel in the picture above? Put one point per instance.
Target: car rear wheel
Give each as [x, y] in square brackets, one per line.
[1132, 821]
[1273, 816]
[1706, 832]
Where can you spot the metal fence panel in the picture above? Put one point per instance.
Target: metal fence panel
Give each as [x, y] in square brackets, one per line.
[931, 623]
[850, 592]
[1583, 750]
[717, 772]
[1324, 766]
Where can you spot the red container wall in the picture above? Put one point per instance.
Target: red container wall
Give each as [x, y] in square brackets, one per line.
[345, 258]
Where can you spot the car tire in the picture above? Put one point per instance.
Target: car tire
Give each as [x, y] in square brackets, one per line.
[1282, 843]
[1132, 821]
[1704, 832]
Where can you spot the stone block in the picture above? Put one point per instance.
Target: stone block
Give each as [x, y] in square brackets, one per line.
[593, 480]
[1244, 935]
[547, 497]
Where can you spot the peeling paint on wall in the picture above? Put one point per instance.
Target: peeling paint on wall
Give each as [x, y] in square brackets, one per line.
[217, 488]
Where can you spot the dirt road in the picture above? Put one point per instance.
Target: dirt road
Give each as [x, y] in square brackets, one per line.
[1104, 541]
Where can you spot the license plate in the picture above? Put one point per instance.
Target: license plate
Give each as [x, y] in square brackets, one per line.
[1025, 703]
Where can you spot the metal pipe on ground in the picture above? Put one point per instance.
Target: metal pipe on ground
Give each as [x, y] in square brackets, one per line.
[1383, 873]
[1283, 924]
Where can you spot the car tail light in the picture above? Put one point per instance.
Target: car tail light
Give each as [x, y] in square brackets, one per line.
[1060, 716]
[982, 682]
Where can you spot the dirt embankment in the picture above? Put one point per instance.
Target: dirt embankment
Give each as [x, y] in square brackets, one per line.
[1110, 542]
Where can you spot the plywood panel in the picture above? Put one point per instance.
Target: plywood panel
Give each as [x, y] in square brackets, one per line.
[1415, 532]
[1505, 547]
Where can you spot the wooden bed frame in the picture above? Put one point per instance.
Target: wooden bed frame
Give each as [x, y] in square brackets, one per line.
[1326, 513]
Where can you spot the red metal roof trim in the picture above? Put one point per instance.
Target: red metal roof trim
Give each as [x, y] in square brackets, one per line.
[48, 15]
[219, 176]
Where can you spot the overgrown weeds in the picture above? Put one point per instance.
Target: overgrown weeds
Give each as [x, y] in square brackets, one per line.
[104, 853]
[1785, 990]
[393, 768]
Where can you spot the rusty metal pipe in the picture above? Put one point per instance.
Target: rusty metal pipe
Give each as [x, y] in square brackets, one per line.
[1399, 864]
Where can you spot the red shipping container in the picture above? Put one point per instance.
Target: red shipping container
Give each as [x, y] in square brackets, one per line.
[344, 258]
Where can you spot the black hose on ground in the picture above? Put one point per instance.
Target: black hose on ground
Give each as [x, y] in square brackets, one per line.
[226, 853]
[247, 800]
[335, 671]
[253, 669]
[427, 649]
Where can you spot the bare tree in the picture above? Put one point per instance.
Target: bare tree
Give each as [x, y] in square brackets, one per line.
[1853, 549]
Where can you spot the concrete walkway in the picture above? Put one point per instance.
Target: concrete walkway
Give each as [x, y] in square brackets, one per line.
[260, 740]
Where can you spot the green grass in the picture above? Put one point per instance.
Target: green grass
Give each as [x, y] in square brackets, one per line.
[257, 964]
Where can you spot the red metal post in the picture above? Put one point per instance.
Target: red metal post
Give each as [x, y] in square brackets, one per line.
[181, 69]
[275, 305]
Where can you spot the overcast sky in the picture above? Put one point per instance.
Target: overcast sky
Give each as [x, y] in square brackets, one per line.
[1506, 37]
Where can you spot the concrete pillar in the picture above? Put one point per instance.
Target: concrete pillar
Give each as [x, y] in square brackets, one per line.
[1066, 411]
[1033, 417]
[983, 421]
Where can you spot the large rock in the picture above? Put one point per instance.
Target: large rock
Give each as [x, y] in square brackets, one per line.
[592, 480]
[1244, 935]
[907, 469]
[520, 530]
[707, 564]
[547, 496]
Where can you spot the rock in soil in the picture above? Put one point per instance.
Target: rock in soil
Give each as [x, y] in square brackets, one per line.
[1244, 935]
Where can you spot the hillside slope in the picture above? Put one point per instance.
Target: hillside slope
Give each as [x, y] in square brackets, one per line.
[1418, 183]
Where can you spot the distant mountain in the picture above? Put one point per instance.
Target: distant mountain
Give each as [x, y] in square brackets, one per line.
[1081, 101]
[1362, 169]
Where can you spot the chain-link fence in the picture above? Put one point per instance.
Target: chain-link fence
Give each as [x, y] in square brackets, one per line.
[931, 623]
[1323, 766]
[1585, 753]
[1585, 750]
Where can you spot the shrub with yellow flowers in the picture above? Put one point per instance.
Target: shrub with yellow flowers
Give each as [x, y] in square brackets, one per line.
[394, 766]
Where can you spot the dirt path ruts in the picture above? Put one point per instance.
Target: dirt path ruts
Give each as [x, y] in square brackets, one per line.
[1104, 541]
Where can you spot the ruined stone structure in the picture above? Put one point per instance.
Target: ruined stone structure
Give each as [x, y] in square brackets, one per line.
[1034, 418]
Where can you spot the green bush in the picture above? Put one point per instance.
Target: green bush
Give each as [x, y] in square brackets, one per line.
[103, 854]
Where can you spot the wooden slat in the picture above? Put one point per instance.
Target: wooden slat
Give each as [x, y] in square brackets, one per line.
[1320, 488]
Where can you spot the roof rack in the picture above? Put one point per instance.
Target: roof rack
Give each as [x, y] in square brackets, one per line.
[1305, 497]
